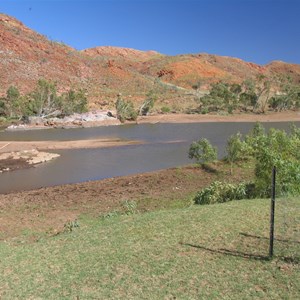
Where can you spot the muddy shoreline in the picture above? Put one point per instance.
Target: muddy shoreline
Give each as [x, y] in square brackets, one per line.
[48, 209]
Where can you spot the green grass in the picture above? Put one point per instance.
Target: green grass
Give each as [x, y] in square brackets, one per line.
[201, 252]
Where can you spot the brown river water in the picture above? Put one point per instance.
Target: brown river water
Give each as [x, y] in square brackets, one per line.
[165, 146]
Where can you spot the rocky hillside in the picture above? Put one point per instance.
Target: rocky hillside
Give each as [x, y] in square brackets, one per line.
[26, 56]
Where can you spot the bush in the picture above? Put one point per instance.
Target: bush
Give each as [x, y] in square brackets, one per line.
[202, 151]
[125, 110]
[279, 149]
[148, 104]
[165, 109]
[204, 111]
[219, 192]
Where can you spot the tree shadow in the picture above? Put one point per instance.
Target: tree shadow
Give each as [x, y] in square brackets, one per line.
[230, 252]
[209, 168]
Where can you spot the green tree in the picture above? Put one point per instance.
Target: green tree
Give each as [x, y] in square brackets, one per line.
[236, 149]
[148, 104]
[125, 110]
[248, 96]
[202, 151]
[279, 149]
[43, 101]
[288, 95]
[222, 96]
[12, 102]
[263, 91]
[73, 102]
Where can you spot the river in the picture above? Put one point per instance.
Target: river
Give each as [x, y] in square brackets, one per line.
[165, 146]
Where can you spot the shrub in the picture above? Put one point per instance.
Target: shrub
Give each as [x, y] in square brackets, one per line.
[73, 102]
[204, 111]
[202, 151]
[219, 192]
[279, 149]
[148, 104]
[236, 150]
[125, 110]
[165, 109]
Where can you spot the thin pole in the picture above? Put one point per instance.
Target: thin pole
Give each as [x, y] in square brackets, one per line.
[272, 219]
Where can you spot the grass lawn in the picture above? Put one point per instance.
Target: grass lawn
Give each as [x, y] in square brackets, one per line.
[201, 252]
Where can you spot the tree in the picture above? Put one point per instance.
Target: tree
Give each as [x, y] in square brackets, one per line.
[279, 149]
[147, 104]
[288, 96]
[248, 97]
[73, 102]
[43, 101]
[202, 151]
[236, 149]
[11, 103]
[125, 110]
[221, 96]
[263, 91]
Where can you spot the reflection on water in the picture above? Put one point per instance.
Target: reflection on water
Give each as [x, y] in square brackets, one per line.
[94, 164]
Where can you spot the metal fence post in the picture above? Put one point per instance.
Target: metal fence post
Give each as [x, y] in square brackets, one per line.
[272, 218]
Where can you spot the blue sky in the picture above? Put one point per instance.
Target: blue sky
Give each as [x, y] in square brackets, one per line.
[254, 30]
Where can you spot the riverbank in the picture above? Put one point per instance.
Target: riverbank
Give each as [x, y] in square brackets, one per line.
[47, 210]
[16, 155]
[104, 118]
[199, 118]
[13, 146]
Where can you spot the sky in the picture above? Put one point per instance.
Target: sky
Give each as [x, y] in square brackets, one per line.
[257, 31]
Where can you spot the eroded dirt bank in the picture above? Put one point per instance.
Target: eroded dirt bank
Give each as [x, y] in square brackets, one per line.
[46, 210]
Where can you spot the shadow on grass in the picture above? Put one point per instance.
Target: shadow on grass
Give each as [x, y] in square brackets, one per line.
[229, 252]
[287, 259]
[265, 238]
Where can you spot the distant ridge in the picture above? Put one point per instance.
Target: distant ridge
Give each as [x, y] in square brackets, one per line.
[26, 56]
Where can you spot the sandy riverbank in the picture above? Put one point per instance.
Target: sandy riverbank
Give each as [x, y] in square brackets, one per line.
[16, 155]
[12, 146]
[198, 118]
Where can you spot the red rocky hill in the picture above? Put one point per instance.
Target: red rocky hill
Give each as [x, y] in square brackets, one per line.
[26, 56]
